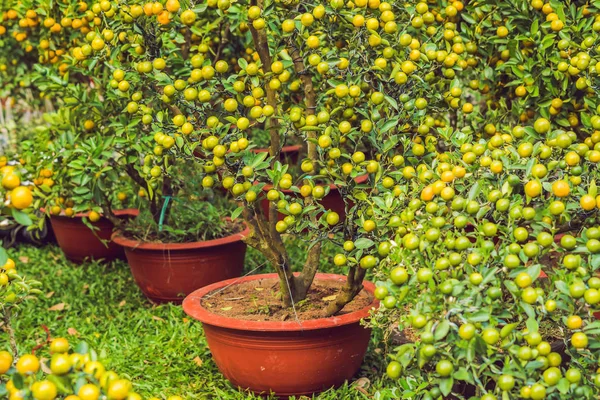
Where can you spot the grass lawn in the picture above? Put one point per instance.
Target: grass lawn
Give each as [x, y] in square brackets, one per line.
[156, 346]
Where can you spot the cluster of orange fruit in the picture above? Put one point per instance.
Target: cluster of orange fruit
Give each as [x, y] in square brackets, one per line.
[17, 195]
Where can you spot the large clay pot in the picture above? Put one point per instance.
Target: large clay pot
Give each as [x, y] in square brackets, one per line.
[287, 358]
[332, 201]
[78, 242]
[167, 272]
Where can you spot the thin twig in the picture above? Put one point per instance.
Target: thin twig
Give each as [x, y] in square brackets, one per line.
[11, 334]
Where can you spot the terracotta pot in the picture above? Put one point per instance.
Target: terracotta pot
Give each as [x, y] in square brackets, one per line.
[332, 201]
[78, 242]
[167, 272]
[287, 155]
[287, 358]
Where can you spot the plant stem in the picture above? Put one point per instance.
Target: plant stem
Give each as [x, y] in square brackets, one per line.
[167, 191]
[11, 334]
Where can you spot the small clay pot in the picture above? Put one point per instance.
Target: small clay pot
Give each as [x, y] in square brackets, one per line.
[78, 242]
[167, 272]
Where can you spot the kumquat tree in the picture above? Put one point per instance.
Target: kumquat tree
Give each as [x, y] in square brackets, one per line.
[420, 176]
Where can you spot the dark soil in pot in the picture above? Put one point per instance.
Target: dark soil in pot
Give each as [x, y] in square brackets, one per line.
[167, 272]
[264, 302]
[78, 242]
[267, 348]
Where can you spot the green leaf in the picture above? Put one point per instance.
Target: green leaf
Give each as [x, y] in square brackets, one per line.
[363, 243]
[479, 316]
[532, 325]
[82, 348]
[62, 383]
[446, 386]
[471, 350]
[462, 375]
[389, 124]
[563, 385]
[528, 309]
[21, 217]
[468, 18]
[534, 271]
[562, 287]
[442, 330]
[18, 382]
[474, 191]
[237, 212]
[3, 256]
[535, 27]
[507, 329]
[405, 354]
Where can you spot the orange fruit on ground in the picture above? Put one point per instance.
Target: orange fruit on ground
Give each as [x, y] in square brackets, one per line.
[6, 360]
[44, 390]
[59, 345]
[119, 389]
[89, 391]
[10, 264]
[28, 364]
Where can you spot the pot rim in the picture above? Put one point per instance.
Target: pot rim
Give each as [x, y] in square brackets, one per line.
[332, 186]
[131, 244]
[193, 308]
[134, 212]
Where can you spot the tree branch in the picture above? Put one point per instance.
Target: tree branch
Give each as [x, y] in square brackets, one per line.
[262, 47]
[311, 264]
[259, 238]
[137, 178]
[349, 291]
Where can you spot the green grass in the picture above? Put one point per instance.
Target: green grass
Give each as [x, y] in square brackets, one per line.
[156, 346]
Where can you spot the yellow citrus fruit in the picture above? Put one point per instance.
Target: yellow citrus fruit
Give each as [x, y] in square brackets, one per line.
[21, 197]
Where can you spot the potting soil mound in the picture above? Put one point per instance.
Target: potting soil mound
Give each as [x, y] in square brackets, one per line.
[260, 300]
